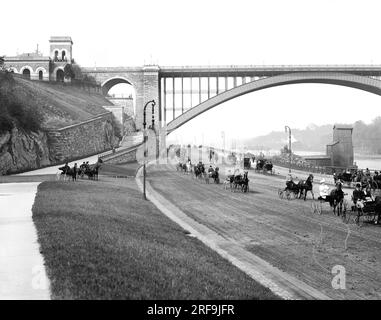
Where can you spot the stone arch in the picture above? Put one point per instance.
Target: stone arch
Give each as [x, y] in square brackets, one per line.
[27, 71]
[58, 70]
[109, 83]
[13, 69]
[41, 69]
[343, 79]
[56, 54]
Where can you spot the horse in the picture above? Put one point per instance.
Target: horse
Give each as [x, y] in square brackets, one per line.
[199, 170]
[305, 186]
[268, 166]
[214, 174]
[66, 172]
[260, 164]
[245, 182]
[336, 198]
[93, 170]
[241, 181]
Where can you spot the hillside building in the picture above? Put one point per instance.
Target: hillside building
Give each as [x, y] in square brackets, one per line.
[36, 66]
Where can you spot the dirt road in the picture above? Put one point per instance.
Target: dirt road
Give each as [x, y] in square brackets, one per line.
[287, 234]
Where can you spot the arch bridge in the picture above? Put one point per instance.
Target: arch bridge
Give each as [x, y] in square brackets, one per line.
[185, 92]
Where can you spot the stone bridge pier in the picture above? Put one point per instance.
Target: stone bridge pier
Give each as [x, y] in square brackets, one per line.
[145, 81]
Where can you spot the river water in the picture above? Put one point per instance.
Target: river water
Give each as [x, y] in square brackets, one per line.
[372, 162]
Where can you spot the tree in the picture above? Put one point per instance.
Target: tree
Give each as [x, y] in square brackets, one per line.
[2, 63]
[77, 71]
[69, 72]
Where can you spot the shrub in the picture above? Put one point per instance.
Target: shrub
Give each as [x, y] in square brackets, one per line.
[12, 111]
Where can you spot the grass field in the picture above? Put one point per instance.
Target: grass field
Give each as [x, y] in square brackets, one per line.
[100, 240]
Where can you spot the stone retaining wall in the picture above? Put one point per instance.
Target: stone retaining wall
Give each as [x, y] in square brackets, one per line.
[86, 138]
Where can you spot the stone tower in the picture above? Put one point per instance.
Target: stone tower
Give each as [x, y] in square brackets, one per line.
[61, 53]
[61, 49]
[342, 148]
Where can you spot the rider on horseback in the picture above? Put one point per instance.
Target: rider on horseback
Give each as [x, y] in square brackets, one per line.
[65, 168]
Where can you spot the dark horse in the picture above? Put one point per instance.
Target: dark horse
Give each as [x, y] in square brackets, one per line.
[305, 186]
[93, 170]
[240, 181]
[199, 170]
[336, 198]
[214, 174]
[66, 171]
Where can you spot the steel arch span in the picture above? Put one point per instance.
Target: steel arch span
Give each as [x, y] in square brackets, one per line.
[336, 78]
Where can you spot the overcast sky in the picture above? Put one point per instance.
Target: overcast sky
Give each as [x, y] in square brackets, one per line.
[128, 33]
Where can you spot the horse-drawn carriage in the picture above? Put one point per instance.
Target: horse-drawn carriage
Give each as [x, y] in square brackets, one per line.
[264, 166]
[237, 181]
[350, 178]
[295, 190]
[246, 163]
[369, 211]
[184, 167]
[90, 170]
[335, 199]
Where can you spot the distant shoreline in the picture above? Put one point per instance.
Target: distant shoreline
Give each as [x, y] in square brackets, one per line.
[367, 156]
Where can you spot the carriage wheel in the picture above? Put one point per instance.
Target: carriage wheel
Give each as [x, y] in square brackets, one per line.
[293, 195]
[280, 193]
[344, 210]
[316, 207]
[368, 218]
[313, 207]
[349, 216]
[357, 218]
[319, 207]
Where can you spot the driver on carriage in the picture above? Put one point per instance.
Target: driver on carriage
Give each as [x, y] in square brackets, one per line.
[289, 182]
[368, 193]
[358, 196]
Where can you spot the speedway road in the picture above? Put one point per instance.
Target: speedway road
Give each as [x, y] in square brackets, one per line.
[285, 233]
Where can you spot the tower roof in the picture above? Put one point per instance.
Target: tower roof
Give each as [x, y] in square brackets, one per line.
[342, 127]
[61, 39]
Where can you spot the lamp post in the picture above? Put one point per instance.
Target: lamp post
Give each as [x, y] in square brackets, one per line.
[289, 145]
[145, 142]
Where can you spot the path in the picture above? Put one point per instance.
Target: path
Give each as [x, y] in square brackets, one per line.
[22, 271]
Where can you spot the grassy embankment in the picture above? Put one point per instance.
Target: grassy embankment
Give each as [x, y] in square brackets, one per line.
[53, 105]
[100, 240]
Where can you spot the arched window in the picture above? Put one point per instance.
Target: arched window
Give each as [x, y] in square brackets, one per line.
[56, 55]
[40, 75]
[63, 55]
[26, 73]
[60, 75]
